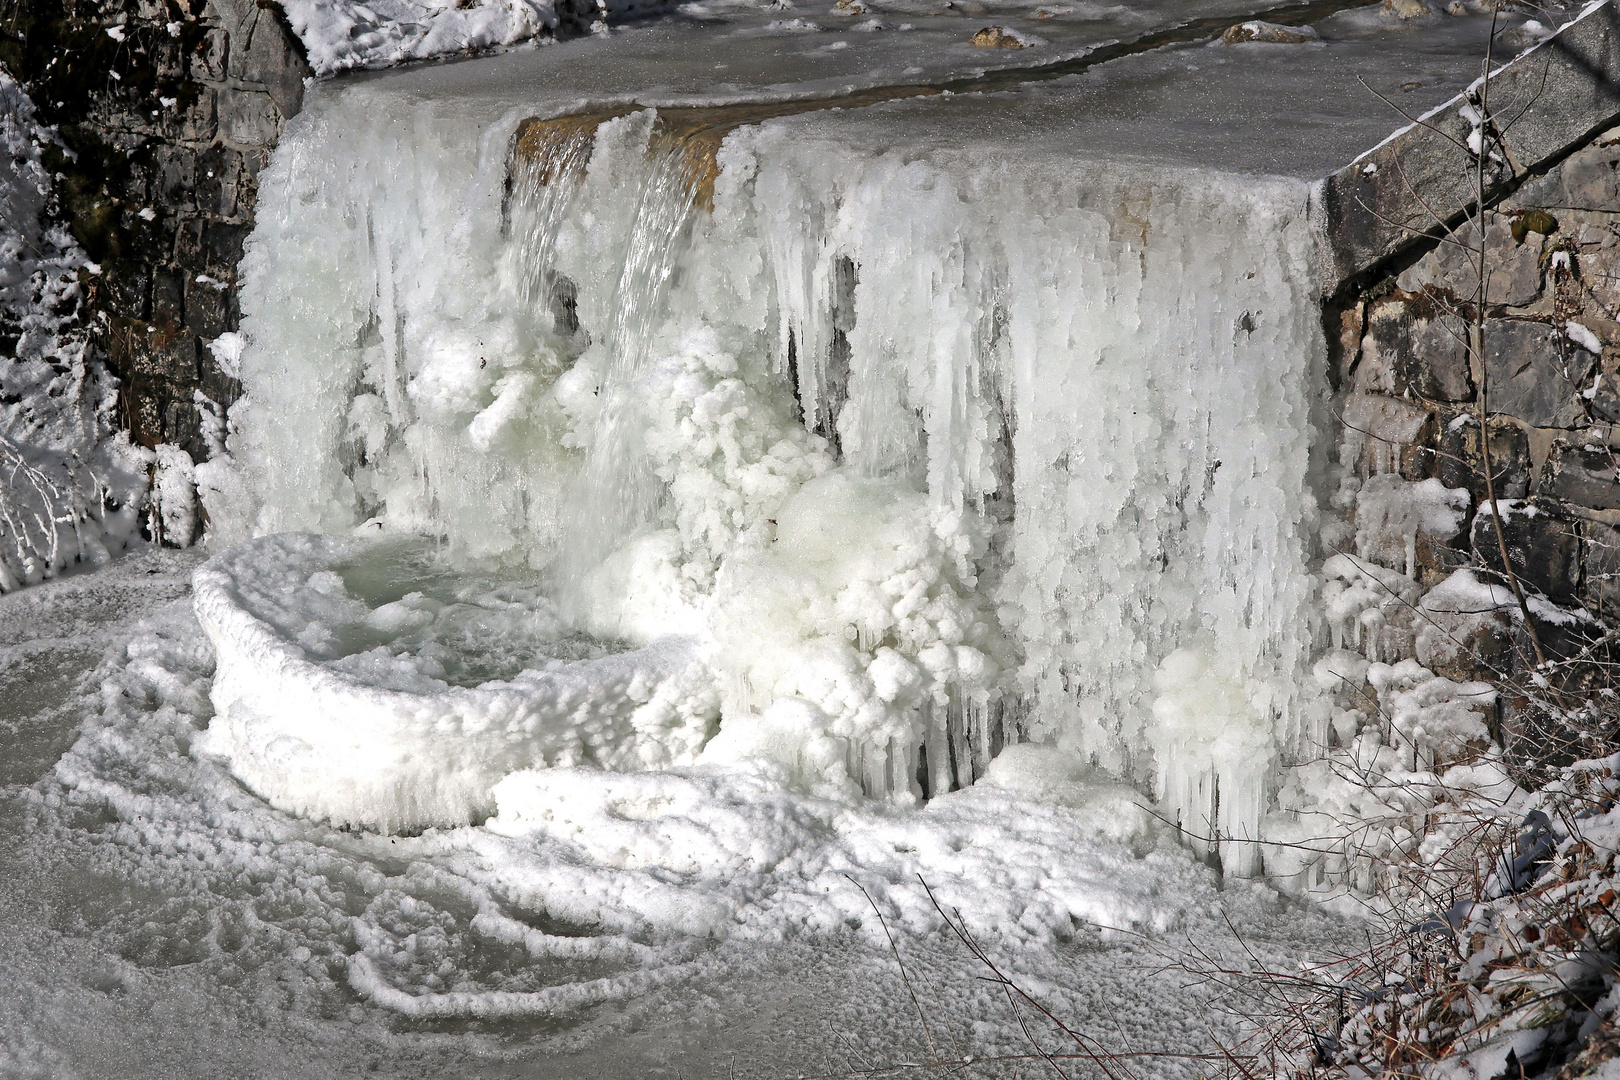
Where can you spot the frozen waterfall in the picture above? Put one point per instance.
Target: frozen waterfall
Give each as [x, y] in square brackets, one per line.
[922, 448]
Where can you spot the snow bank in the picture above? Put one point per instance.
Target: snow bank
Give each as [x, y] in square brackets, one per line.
[341, 709]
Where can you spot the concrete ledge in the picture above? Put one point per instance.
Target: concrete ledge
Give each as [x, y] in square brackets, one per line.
[1545, 104]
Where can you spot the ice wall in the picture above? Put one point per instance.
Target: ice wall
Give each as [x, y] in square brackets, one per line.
[936, 450]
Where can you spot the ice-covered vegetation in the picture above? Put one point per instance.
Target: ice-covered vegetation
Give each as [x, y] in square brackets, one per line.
[70, 489]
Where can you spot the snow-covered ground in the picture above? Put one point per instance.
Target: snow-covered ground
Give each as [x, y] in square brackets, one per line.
[158, 919]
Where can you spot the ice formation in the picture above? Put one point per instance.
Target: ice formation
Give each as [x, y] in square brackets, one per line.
[587, 885]
[406, 711]
[1393, 514]
[931, 452]
[339, 35]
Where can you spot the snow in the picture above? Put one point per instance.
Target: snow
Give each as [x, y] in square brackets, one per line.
[1584, 337]
[341, 34]
[1446, 719]
[227, 350]
[173, 502]
[1361, 599]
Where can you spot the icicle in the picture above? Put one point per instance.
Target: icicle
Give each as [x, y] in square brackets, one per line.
[1123, 358]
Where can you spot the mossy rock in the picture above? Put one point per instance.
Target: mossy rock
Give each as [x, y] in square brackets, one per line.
[1533, 221]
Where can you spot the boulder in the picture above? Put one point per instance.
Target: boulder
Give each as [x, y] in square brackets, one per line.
[1386, 200]
[1269, 33]
[1512, 260]
[1407, 10]
[1605, 399]
[1465, 629]
[999, 37]
[1586, 180]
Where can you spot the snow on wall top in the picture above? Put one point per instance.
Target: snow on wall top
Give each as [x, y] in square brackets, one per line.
[342, 34]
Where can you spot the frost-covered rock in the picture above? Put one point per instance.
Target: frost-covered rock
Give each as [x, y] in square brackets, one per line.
[1543, 548]
[1465, 628]
[1001, 37]
[1401, 524]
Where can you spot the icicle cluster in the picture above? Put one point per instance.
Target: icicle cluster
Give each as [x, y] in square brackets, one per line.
[935, 454]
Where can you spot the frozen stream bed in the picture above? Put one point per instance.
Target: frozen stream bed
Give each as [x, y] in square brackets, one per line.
[839, 523]
[156, 919]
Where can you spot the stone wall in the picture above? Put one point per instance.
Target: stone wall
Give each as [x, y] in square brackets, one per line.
[1547, 373]
[170, 108]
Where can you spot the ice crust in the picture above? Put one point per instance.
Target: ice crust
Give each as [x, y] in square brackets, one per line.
[325, 707]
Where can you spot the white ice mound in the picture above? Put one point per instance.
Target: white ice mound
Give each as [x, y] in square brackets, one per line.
[357, 684]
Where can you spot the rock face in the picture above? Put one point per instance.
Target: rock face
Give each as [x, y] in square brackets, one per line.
[1542, 548]
[172, 109]
[1474, 342]
[1535, 375]
[1398, 197]
[1424, 361]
